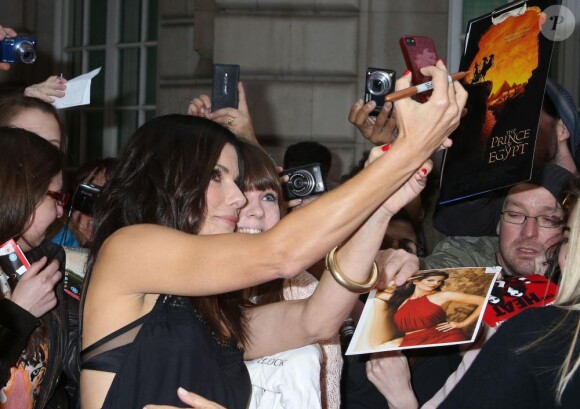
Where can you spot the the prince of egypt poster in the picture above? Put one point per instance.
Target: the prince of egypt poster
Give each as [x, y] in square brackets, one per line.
[494, 144]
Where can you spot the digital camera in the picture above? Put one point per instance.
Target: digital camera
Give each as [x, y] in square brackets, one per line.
[379, 83]
[304, 181]
[85, 197]
[18, 50]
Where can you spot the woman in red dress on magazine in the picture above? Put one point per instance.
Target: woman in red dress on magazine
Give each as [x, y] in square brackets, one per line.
[419, 310]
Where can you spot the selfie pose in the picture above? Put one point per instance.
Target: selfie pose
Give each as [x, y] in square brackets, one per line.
[161, 304]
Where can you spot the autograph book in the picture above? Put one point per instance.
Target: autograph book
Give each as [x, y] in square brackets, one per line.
[435, 308]
[507, 58]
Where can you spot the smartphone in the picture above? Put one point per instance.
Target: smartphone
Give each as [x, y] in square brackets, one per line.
[225, 86]
[418, 52]
[12, 259]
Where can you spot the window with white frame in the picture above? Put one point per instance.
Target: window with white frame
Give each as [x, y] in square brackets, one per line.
[120, 37]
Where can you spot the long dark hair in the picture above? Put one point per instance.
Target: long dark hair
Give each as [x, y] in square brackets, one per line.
[161, 178]
[28, 164]
[14, 104]
[405, 291]
[27, 167]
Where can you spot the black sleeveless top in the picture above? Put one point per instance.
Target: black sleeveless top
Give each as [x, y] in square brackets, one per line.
[165, 349]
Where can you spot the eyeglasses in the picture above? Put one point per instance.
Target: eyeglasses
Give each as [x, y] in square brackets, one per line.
[547, 222]
[62, 199]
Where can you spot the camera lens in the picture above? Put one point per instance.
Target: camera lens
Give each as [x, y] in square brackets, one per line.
[379, 83]
[410, 41]
[26, 52]
[301, 183]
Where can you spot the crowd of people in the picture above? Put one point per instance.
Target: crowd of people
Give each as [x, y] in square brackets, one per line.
[205, 286]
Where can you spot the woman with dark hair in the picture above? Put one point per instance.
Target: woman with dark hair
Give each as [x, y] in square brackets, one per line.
[33, 323]
[418, 310]
[34, 115]
[162, 306]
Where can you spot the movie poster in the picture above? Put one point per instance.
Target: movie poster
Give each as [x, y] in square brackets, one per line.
[507, 58]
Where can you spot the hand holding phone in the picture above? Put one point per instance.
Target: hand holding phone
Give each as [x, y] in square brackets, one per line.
[225, 86]
[35, 290]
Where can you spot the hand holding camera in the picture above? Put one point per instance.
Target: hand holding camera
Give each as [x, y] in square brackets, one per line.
[303, 182]
[6, 32]
[18, 50]
[379, 130]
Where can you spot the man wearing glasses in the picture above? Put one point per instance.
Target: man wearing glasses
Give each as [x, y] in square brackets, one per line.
[533, 216]
[530, 227]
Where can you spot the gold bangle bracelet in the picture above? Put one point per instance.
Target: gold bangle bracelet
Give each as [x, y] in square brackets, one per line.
[353, 286]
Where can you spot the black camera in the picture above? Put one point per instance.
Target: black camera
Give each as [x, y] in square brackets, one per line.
[379, 83]
[304, 181]
[16, 50]
[85, 197]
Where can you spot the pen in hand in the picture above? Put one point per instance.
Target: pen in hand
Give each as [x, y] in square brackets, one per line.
[417, 89]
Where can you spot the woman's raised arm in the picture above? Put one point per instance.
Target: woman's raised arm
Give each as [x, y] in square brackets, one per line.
[201, 265]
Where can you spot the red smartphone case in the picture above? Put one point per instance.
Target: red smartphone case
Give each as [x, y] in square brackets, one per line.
[418, 52]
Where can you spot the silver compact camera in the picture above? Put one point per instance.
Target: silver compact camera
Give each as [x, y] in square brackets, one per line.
[379, 83]
[304, 181]
[18, 50]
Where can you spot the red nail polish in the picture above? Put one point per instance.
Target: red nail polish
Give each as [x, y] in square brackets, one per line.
[424, 171]
[386, 147]
[443, 61]
[406, 73]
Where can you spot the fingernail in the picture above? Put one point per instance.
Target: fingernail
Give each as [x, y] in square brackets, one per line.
[181, 391]
[406, 73]
[424, 171]
[443, 61]
[386, 147]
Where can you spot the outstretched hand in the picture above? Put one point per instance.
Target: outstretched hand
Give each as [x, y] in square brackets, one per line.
[380, 129]
[193, 400]
[6, 32]
[239, 120]
[53, 87]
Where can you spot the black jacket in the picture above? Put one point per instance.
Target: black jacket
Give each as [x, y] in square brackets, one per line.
[17, 325]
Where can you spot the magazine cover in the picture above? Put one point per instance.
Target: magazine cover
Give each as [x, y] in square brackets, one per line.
[512, 295]
[435, 308]
[507, 58]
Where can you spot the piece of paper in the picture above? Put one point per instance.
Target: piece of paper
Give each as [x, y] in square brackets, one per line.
[425, 312]
[78, 91]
